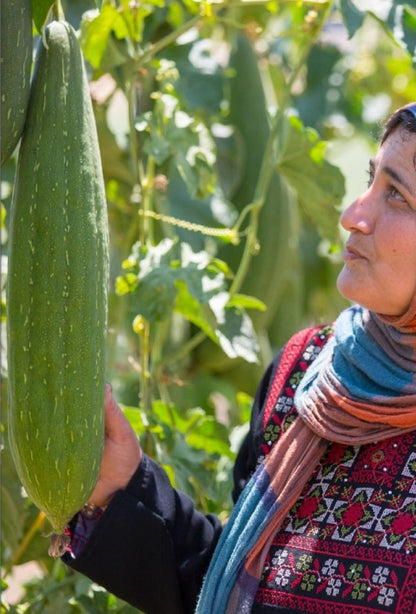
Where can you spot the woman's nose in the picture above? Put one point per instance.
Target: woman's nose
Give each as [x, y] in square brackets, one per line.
[359, 216]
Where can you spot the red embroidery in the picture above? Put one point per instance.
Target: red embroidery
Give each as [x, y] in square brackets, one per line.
[349, 544]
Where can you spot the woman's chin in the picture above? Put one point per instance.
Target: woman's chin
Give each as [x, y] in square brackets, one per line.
[346, 284]
[351, 289]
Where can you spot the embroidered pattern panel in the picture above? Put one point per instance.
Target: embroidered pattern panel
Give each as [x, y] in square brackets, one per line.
[349, 544]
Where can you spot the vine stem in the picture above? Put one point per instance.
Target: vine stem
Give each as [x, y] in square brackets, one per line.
[147, 193]
[153, 49]
[145, 372]
[24, 544]
[139, 185]
[185, 349]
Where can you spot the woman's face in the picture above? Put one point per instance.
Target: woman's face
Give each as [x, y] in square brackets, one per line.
[380, 255]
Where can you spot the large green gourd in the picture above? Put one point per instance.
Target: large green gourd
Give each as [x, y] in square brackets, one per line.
[57, 287]
[16, 61]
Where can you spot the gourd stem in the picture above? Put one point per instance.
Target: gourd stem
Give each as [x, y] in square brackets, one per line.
[58, 11]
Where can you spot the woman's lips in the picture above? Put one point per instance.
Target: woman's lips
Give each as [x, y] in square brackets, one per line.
[352, 253]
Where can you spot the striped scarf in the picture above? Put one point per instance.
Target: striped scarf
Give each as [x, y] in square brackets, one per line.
[361, 388]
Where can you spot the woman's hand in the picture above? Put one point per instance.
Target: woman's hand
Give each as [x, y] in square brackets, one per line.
[121, 457]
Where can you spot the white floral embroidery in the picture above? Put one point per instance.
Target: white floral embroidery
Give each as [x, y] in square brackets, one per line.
[380, 575]
[330, 566]
[333, 587]
[282, 577]
[386, 596]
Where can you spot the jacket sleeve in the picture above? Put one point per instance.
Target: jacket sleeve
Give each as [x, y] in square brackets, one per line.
[250, 450]
[151, 547]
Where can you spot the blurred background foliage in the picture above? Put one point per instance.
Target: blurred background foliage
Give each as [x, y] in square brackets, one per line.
[232, 134]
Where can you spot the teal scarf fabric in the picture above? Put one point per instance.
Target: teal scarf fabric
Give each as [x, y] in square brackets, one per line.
[360, 388]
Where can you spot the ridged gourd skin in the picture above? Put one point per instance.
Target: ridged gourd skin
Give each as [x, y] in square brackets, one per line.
[57, 287]
[16, 61]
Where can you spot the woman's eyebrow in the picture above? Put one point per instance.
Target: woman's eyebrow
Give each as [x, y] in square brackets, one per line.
[395, 175]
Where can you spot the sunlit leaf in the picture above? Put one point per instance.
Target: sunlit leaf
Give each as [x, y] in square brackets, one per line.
[211, 436]
[170, 133]
[246, 302]
[96, 27]
[134, 416]
[236, 335]
[191, 309]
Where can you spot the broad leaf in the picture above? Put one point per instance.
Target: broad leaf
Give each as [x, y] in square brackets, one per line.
[236, 334]
[213, 211]
[191, 309]
[318, 183]
[211, 436]
[172, 277]
[398, 19]
[97, 30]
[96, 27]
[169, 133]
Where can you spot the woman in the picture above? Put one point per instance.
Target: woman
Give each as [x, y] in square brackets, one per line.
[325, 483]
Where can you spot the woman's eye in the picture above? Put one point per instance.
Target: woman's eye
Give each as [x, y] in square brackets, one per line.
[395, 194]
[370, 177]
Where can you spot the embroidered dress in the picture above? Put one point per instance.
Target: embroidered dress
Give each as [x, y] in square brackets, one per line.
[349, 545]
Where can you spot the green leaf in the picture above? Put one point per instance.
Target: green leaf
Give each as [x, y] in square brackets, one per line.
[212, 211]
[353, 18]
[170, 133]
[157, 146]
[172, 277]
[211, 436]
[96, 27]
[409, 30]
[318, 183]
[169, 268]
[191, 309]
[246, 302]
[201, 75]
[235, 331]
[156, 294]
[135, 417]
[40, 10]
